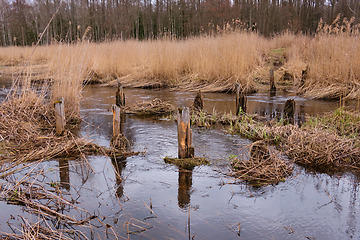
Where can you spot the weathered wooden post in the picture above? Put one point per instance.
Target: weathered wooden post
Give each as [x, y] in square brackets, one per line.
[289, 111]
[116, 120]
[185, 147]
[60, 116]
[272, 81]
[240, 101]
[120, 95]
[199, 101]
[118, 140]
[304, 75]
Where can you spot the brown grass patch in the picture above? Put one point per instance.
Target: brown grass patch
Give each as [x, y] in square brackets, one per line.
[260, 171]
[155, 107]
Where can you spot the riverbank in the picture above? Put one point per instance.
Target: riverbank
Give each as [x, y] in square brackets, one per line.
[210, 64]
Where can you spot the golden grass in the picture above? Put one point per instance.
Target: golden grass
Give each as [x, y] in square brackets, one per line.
[209, 63]
[218, 62]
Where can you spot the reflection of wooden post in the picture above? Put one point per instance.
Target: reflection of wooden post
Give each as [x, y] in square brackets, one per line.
[272, 81]
[120, 95]
[185, 182]
[60, 116]
[289, 111]
[185, 148]
[240, 100]
[64, 173]
[199, 101]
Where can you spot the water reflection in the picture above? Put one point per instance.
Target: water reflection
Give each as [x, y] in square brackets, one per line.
[119, 165]
[184, 191]
[64, 174]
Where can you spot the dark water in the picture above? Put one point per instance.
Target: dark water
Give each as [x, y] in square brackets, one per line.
[313, 205]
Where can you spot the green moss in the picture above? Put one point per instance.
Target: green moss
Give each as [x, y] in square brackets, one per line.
[187, 163]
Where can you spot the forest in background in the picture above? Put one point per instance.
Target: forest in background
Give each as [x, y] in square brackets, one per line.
[22, 21]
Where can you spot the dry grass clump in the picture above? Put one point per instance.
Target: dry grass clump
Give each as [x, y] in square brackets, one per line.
[322, 144]
[23, 117]
[331, 140]
[42, 230]
[316, 147]
[262, 168]
[155, 107]
[27, 131]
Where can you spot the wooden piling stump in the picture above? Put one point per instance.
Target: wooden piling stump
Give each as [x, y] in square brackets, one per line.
[185, 147]
[272, 81]
[304, 75]
[241, 101]
[60, 116]
[120, 95]
[199, 101]
[289, 111]
[118, 140]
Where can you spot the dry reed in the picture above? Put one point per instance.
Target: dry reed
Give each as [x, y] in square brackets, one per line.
[210, 63]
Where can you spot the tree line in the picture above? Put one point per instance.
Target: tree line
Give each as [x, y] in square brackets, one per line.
[23, 21]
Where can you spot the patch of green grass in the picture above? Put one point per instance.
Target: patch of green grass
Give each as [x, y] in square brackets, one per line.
[278, 50]
[342, 122]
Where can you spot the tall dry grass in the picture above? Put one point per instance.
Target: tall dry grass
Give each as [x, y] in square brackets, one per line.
[216, 63]
[333, 57]
[210, 63]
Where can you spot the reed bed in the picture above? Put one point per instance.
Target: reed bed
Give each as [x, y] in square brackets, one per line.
[333, 60]
[211, 64]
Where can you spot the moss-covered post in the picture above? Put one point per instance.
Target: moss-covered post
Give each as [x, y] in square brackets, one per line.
[60, 116]
[272, 81]
[199, 101]
[185, 147]
[289, 111]
[120, 95]
[240, 100]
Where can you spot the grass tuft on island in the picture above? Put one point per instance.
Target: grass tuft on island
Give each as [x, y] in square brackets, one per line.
[331, 140]
[187, 163]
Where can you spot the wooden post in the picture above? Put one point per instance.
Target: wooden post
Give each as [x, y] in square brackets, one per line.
[240, 101]
[118, 140]
[199, 101]
[304, 75]
[289, 111]
[185, 147]
[60, 116]
[120, 95]
[272, 81]
[116, 120]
